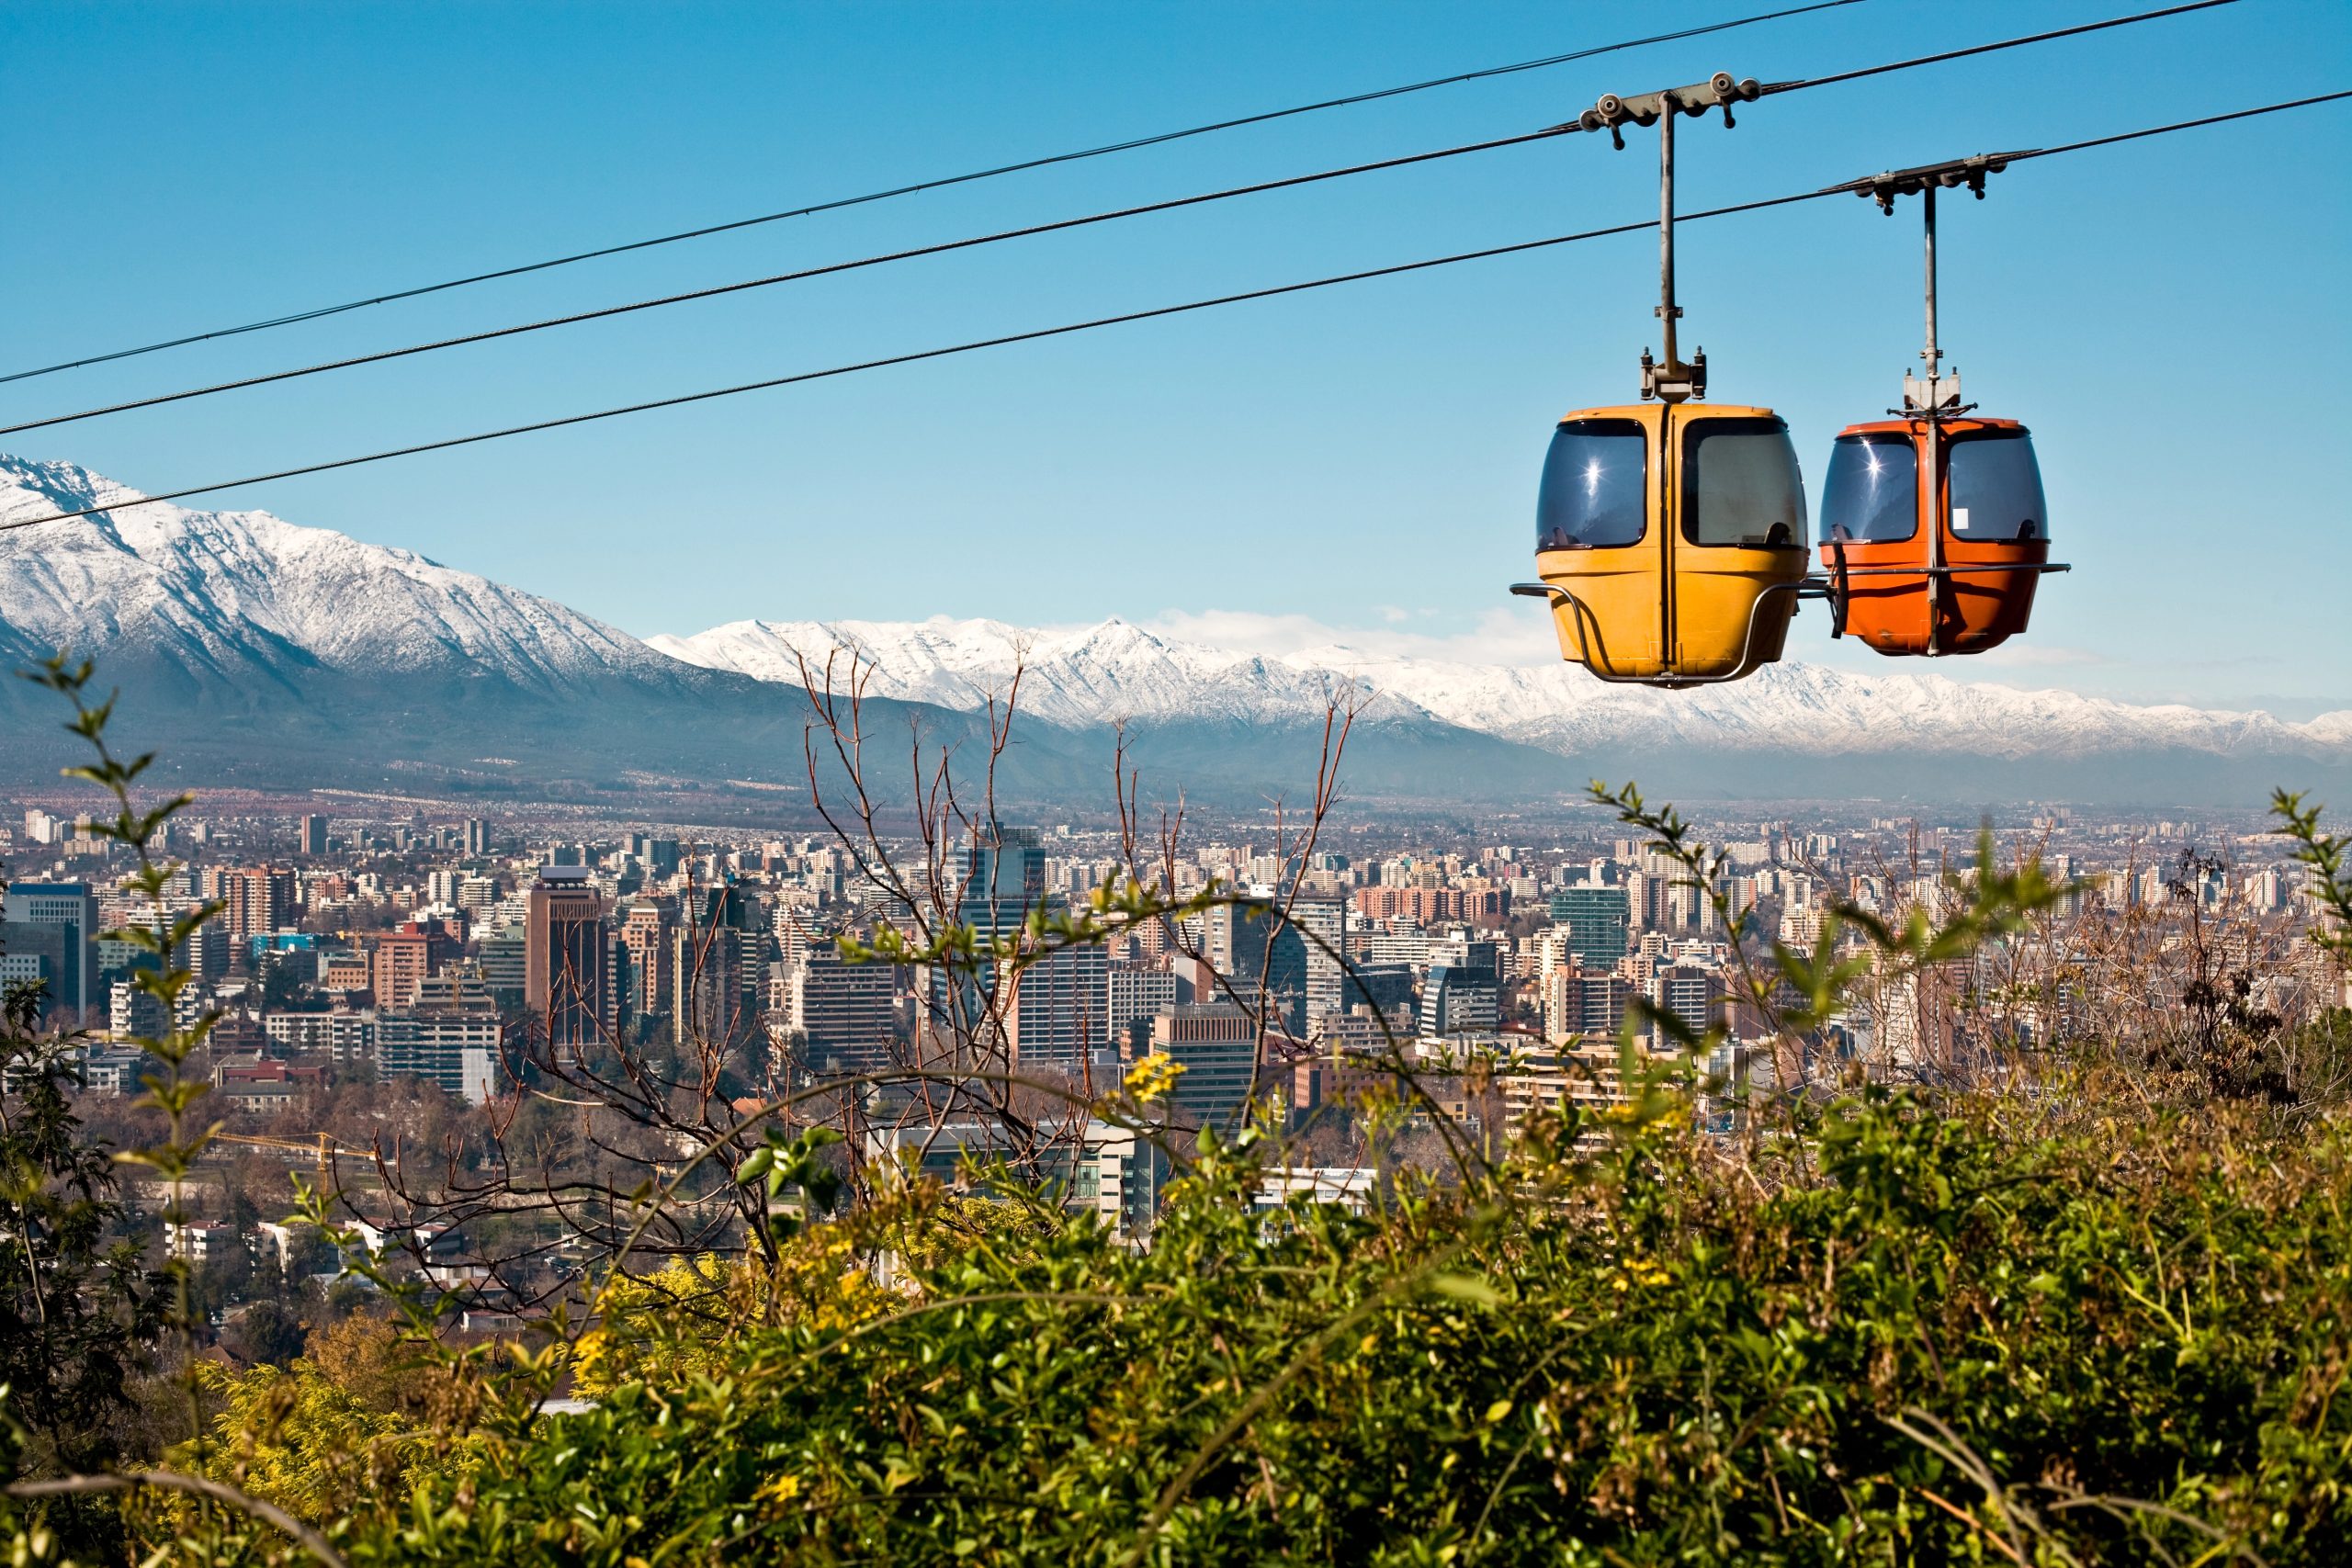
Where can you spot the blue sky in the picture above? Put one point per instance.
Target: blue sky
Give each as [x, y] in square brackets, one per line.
[2169, 316]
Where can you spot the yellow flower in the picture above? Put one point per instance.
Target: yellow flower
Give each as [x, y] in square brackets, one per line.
[779, 1488]
[1154, 1077]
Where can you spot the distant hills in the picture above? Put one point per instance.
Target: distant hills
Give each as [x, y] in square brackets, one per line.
[256, 652]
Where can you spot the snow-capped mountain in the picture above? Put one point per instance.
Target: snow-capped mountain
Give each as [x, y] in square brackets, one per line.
[1095, 675]
[250, 648]
[1115, 670]
[247, 592]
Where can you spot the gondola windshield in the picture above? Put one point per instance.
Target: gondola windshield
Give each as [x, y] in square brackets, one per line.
[1593, 495]
[1872, 494]
[1997, 487]
[1741, 485]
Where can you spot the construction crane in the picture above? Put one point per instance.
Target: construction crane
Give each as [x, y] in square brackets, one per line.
[318, 1145]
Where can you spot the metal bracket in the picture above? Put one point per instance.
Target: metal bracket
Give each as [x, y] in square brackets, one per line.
[1836, 586]
[1588, 628]
[1674, 380]
[1970, 172]
[1720, 91]
[1933, 397]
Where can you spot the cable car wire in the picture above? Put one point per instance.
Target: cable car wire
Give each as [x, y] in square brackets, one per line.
[942, 183]
[1025, 232]
[1155, 313]
[799, 274]
[2077, 31]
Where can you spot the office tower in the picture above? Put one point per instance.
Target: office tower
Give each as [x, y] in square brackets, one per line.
[847, 1014]
[645, 940]
[474, 837]
[1690, 993]
[712, 973]
[566, 974]
[1598, 918]
[459, 1046]
[1054, 1009]
[505, 958]
[1577, 1003]
[1323, 945]
[404, 958]
[71, 910]
[255, 901]
[1132, 998]
[1460, 999]
[314, 835]
[35, 956]
[1387, 990]
[1004, 879]
[1256, 950]
[1216, 1044]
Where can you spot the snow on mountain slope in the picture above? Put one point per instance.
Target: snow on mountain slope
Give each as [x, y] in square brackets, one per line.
[1089, 676]
[242, 598]
[215, 591]
[1115, 670]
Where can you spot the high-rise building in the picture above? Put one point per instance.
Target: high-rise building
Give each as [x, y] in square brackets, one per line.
[256, 900]
[646, 953]
[1216, 1044]
[1691, 993]
[1004, 879]
[712, 968]
[1578, 1003]
[1323, 945]
[475, 835]
[847, 1014]
[132, 1012]
[1387, 990]
[314, 835]
[1460, 999]
[70, 908]
[1258, 951]
[1598, 918]
[1054, 1009]
[505, 965]
[458, 1047]
[1133, 997]
[566, 976]
[404, 958]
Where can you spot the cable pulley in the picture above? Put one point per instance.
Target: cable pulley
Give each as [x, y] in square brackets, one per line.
[1970, 173]
[1720, 91]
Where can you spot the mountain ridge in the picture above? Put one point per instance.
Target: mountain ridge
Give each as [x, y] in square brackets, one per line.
[1084, 675]
[258, 651]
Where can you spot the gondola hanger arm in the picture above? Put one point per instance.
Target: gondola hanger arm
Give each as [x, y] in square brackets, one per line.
[1615, 109]
[1950, 174]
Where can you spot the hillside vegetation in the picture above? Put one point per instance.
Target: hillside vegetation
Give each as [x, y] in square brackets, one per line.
[2080, 1309]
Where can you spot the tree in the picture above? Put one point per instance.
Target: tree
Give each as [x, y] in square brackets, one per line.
[267, 1332]
[76, 1317]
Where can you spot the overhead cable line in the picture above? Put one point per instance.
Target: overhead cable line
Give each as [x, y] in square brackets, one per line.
[799, 274]
[1025, 232]
[1949, 54]
[1034, 334]
[942, 183]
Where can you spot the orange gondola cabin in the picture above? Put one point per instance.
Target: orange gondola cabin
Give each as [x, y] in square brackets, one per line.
[1933, 532]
